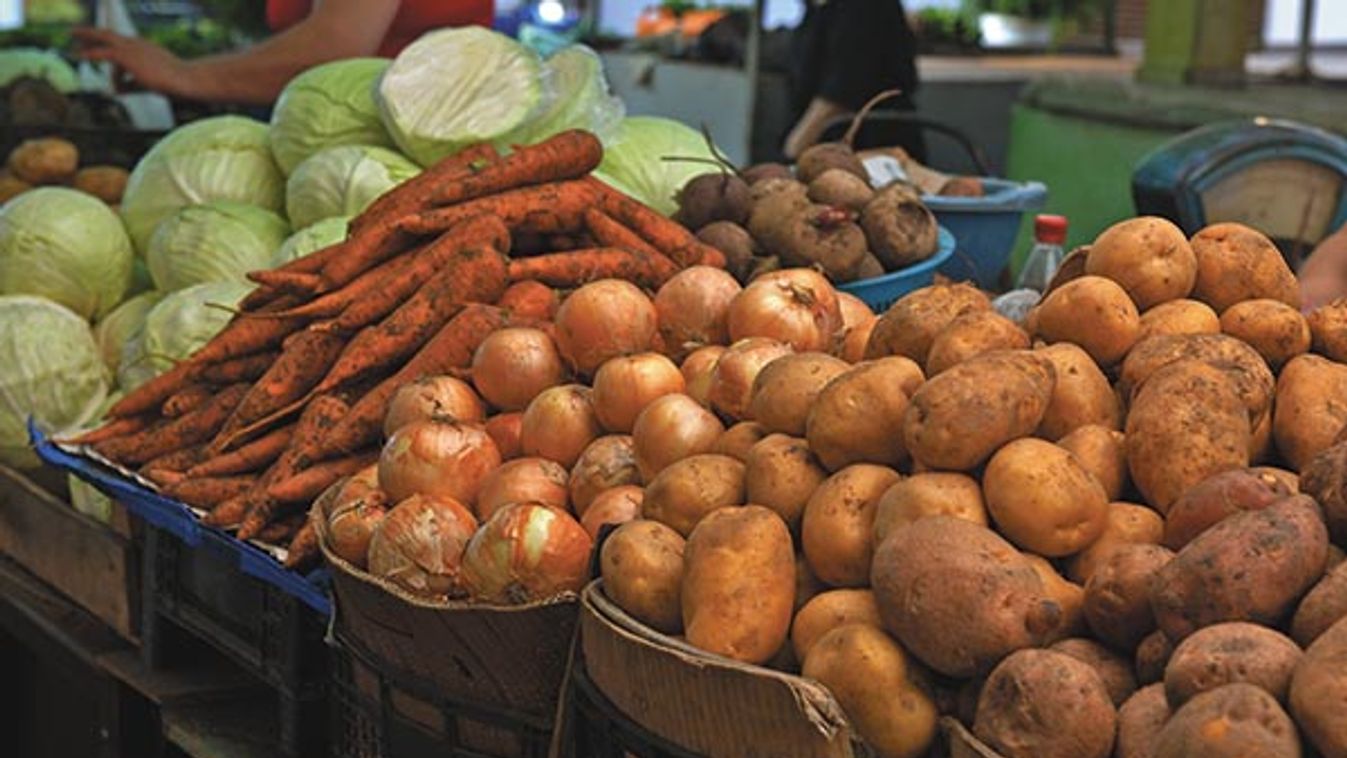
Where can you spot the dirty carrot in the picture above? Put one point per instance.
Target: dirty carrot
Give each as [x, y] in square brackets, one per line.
[150, 395]
[177, 461]
[315, 424]
[253, 456]
[207, 492]
[246, 368]
[303, 549]
[246, 336]
[554, 208]
[577, 267]
[412, 195]
[609, 232]
[367, 248]
[230, 512]
[287, 281]
[370, 283]
[194, 427]
[115, 428]
[567, 155]
[664, 235]
[310, 483]
[188, 398]
[280, 532]
[162, 476]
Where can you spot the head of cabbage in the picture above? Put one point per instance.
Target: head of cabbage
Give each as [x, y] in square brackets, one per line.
[213, 243]
[176, 327]
[20, 62]
[114, 330]
[328, 105]
[578, 98]
[66, 246]
[634, 161]
[220, 158]
[311, 238]
[343, 181]
[50, 370]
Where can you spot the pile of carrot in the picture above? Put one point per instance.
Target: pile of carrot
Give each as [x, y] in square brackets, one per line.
[290, 396]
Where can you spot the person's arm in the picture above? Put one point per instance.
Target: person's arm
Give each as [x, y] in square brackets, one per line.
[334, 29]
[809, 128]
[1323, 275]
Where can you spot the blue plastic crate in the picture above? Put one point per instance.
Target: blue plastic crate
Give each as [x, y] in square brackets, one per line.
[882, 291]
[985, 228]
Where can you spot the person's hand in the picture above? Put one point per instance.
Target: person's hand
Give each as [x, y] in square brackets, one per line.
[138, 62]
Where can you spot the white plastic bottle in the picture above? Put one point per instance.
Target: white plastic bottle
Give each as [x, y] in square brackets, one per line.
[1046, 255]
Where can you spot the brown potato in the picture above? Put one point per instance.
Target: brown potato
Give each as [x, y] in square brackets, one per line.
[1127, 524]
[739, 439]
[934, 575]
[910, 325]
[973, 334]
[1325, 480]
[1092, 312]
[878, 689]
[828, 610]
[642, 568]
[1229, 722]
[1082, 395]
[1043, 704]
[1102, 452]
[1179, 317]
[936, 493]
[50, 160]
[682, 494]
[1140, 720]
[1276, 330]
[839, 521]
[107, 183]
[1288, 479]
[955, 421]
[1319, 689]
[1186, 423]
[1213, 579]
[739, 585]
[1321, 607]
[1148, 256]
[1117, 597]
[858, 416]
[1113, 670]
[1311, 408]
[781, 474]
[1236, 263]
[1069, 596]
[1153, 656]
[786, 389]
[1042, 499]
[1328, 330]
[806, 584]
[1213, 499]
[1241, 364]
[1223, 654]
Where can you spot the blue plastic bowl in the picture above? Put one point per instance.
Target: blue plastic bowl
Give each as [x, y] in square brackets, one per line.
[881, 292]
[985, 228]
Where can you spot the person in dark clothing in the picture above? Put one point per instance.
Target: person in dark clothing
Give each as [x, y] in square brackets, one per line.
[843, 53]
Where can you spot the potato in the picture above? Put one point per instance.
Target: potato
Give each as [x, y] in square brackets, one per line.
[1252, 566]
[828, 610]
[1117, 597]
[1311, 408]
[1092, 312]
[1102, 452]
[936, 493]
[642, 567]
[1179, 317]
[1153, 656]
[1276, 330]
[874, 682]
[1241, 364]
[910, 325]
[1236, 263]
[1233, 721]
[932, 577]
[806, 584]
[1319, 690]
[1043, 704]
[1082, 395]
[1213, 499]
[11, 186]
[50, 160]
[1140, 720]
[739, 584]
[1113, 670]
[1148, 256]
[781, 474]
[973, 334]
[1328, 330]
[955, 421]
[1186, 423]
[682, 494]
[1042, 499]
[1227, 653]
[1325, 479]
[839, 521]
[1321, 607]
[107, 183]
[1126, 524]
[1069, 596]
[739, 439]
[1288, 479]
[786, 388]
[858, 416]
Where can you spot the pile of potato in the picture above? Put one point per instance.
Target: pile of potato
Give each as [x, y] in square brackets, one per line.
[54, 161]
[1114, 529]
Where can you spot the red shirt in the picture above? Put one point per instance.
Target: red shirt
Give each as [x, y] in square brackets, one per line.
[414, 18]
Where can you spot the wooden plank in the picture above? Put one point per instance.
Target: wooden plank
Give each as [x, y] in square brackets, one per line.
[73, 553]
[209, 678]
[241, 728]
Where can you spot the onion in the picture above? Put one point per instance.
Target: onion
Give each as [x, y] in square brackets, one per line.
[671, 429]
[739, 439]
[367, 478]
[625, 385]
[615, 506]
[731, 388]
[608, 462]
[692, 308]
[420, 543]
[437, 457]
[504, 431]
[523, 480]
[854, 340]
[430, 396]
[527, 552]
[530, 299]
[513, 365]
[602, 320]
[697, 368]
[356, 511]
[559, 424]
[796, 306]
[853, 310]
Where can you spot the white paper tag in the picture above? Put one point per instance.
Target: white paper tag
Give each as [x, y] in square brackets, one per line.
[884, 170]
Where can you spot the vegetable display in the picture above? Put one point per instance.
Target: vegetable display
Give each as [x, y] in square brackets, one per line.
[326, 106]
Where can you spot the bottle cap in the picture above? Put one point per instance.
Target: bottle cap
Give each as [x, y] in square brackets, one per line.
[1050, 229]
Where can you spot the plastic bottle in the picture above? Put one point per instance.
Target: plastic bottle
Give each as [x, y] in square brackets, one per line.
[1046, 255]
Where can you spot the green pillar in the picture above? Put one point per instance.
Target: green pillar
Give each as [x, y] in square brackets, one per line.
[1196, 42]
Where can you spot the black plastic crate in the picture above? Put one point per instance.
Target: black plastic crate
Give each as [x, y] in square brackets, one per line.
[597, 729]
[111, 146]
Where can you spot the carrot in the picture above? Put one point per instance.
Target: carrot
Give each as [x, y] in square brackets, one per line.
[308, 264]
[260, 297]
[310, 483]
[280, 532]
[367, 248]
[303, 549]
[577, 267]
[330, 304]
[162, 476]
[410, 196]
[567, 155]
[192, 428]
[150, 395]
[315, 424]
[229, 512]
[250, 457]
[530, 299]
[664, 235]
[119, 427]
[206, 492]
[247, 368]
[244, 337]
[554, 208]
[188, 398]
[177, 461]
[609, 232]
[287, 281]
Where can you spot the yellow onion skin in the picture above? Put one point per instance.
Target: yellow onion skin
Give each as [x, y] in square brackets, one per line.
[514, 364]
[608, 462]
[527, 553]
[432, 396]
[693, 307]
[523, 480]
[796, 306]
[437, 457]
[615, 506]
[602, 320]
[419, 546]
[731, 391]
[697, 370]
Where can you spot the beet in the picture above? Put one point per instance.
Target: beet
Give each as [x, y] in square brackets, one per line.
[762, 171]
[735, 242]
[713, 197]
[828, 155]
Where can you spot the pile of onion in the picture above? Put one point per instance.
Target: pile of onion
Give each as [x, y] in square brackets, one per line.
[559, 424]
[693, 307]
[527, 552]
[857, 323]
[731, 390]
[513, 365]
[603, 320]
[356, 509]
[697, 369]
[523, 480]
[625, 385]
[437, 456]
[419, 545]
[432, 396]
[615, 506]
[504, 430]
[671, 429]
[796, 306]
[608, 462]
